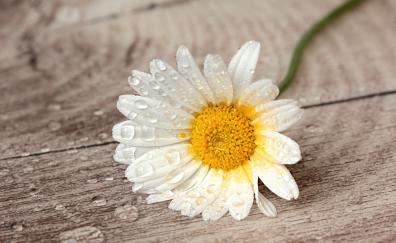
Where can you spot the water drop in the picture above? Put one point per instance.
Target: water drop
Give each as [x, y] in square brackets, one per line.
[171, 115]
[141, 104]
[185, 208]
[154, 85]
[144, 170]
[159, 77]
[238, 202]
[185, 65]
[127, 212]
[72, 151]
[99, 201]
[127, 132]
[25, 154]
[173, 157]
[132, 115]
[109, 178]
[211, 188]
[143, 92]
[151, 117]
[17, 227]
[103, 135]
[92, 181]
[134, 81]
[98, 113]
[161, 65]
[54, 126]
[173, 76]
[200, 200]
[82, 234]
[252, 71]
[45, 150]
[83, 158]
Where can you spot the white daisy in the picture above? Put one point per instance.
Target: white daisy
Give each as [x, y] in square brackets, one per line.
[203, 141]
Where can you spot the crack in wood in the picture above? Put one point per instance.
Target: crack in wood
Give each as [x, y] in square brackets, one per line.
[368, 96]
[146, 8]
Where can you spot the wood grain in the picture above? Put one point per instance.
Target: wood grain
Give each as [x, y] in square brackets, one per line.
[346, 178]
[64, 63]
[62, 71]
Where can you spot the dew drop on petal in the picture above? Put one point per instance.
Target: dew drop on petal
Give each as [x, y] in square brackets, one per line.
[144, 170]
[141, 104]
[154, 85]
[159, 77]
[134, 81]
[161, 65]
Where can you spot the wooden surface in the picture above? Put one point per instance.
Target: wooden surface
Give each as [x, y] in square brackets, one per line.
[64, 63]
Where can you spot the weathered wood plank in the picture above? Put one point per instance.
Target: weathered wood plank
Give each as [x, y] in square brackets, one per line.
[60, 82]
[346, 179]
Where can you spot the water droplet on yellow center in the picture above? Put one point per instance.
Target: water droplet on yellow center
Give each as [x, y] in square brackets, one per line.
[223, 136]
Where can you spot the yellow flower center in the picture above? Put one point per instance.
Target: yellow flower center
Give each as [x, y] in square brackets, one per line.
[223, 136]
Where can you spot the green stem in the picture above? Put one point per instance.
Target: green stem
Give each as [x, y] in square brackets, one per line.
[308, 36]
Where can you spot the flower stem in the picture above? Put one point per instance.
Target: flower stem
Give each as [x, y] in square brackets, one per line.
[308, 36]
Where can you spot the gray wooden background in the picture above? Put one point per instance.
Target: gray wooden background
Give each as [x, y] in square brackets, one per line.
[63, 64]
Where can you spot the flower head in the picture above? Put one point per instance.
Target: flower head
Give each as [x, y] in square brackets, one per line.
[203, 141]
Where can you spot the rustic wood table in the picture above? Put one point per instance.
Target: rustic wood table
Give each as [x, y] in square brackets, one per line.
[64, 63]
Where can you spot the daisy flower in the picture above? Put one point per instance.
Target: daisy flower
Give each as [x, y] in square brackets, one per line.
[204, 140]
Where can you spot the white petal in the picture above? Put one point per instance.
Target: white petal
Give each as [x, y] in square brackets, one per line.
[195, 200]
[218, 78]
[179, 176]
[159, 197]
[264, 205]
[269, 106]
[158, 163]
[190, 71]
[218, 208]
[127, 154]
[242, 66]
[194, 179]
[240, 195]
[279, 118]
[277, 178]
[177, 87]
[139, 135]
[280, 148]
[146, 85]
[150, 112]
[259, 92]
